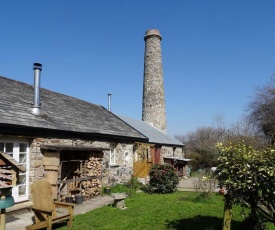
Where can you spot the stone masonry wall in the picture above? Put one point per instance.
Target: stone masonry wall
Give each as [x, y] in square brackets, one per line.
[119, 173]
[169, 152]
[123, 169]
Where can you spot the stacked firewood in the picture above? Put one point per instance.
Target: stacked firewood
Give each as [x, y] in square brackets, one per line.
[91, 188]
[94, 166]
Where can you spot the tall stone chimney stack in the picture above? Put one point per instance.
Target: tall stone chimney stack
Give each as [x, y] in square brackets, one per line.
[153, 108]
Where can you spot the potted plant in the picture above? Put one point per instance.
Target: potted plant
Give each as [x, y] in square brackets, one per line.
[221, 191]
[107, 190]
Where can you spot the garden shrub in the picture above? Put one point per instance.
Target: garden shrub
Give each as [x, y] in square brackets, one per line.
[249, 177]
[163, 178]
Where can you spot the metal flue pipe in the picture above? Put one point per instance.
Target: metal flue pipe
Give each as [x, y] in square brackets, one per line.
[37, 67]
[109, 102]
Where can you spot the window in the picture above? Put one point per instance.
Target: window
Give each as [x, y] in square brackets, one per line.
[112, 154]
[19, 150]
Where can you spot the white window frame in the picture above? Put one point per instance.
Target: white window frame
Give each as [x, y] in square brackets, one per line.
[16, 155]
[113, 154]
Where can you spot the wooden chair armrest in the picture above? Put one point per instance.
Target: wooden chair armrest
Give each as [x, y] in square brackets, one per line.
[44, 210]
[63, 204]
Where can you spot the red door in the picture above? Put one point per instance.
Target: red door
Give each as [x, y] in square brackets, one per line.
[156, 155]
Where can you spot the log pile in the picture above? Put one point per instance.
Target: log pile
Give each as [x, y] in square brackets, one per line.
[91, 188]
[93, 167]
[81, 177]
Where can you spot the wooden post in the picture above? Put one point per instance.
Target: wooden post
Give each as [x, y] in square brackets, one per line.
[227, 216]
[3, 219]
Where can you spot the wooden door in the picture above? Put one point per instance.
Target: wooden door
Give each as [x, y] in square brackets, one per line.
[143, 160]
[156, 156]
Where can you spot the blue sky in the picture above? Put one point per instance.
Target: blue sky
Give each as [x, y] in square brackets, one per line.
[214, 52]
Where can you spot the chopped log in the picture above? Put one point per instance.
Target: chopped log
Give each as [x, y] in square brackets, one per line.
[93, 166]
[91, 188]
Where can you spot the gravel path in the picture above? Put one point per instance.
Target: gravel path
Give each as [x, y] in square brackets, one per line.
[187, 184]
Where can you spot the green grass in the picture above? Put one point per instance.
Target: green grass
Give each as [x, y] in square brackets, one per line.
[180, 210]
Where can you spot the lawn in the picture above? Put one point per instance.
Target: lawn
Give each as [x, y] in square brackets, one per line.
[180, 210]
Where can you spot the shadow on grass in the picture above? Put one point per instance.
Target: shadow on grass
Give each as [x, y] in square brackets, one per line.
[145, 189]
[202, 223]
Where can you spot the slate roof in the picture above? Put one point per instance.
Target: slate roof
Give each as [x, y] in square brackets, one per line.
[59, 112]
[155, 135]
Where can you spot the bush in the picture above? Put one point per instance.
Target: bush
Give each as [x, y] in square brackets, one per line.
[163, 179]
[249, 177]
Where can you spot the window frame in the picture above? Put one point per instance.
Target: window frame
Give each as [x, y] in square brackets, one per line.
[113, 158]
[16, 154]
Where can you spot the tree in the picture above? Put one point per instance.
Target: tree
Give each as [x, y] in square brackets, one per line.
[244, 131]
[201, 146]
[249, 177]
[261, 110]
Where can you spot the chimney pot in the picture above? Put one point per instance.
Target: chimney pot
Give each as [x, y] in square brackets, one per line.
[37, 66]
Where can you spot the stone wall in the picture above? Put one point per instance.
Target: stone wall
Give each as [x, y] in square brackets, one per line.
[123, 169]
[170, 152]
[179, 152]
[118, 173]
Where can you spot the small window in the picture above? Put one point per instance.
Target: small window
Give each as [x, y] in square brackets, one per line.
[112, 154]
[23, 147]
[2, 147]
[9, 147]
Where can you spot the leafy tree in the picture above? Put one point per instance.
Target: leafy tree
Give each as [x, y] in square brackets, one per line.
[249, 177]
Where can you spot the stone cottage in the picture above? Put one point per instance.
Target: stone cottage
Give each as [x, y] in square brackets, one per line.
[79, 146]
[56, 138]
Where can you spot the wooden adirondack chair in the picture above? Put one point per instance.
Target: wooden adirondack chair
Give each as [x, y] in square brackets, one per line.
[44, 207]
